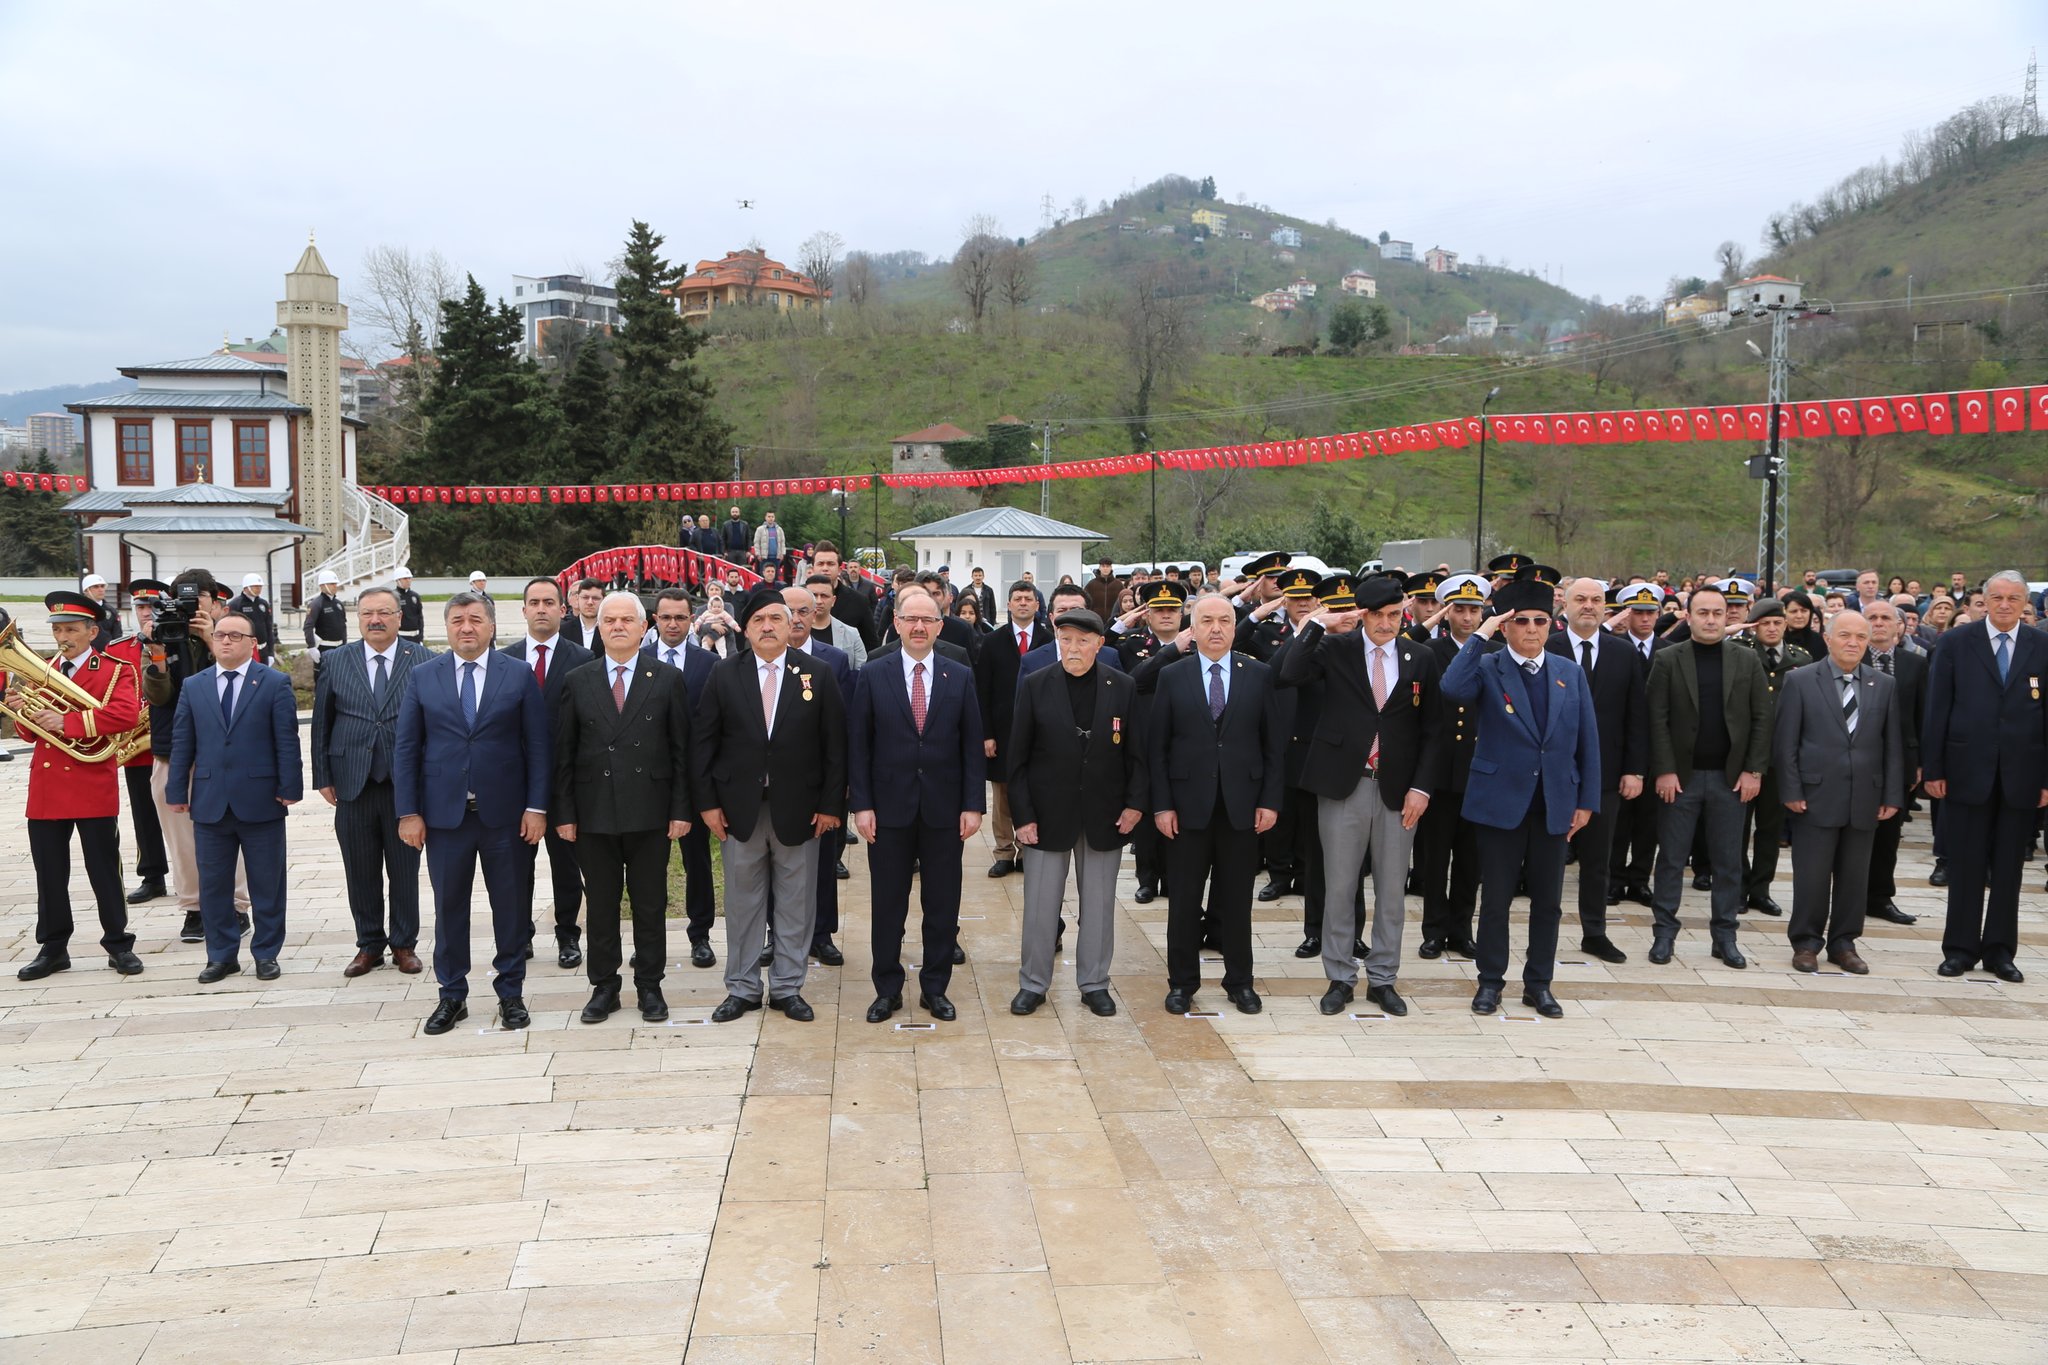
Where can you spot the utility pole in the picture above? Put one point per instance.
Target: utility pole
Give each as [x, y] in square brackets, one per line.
[1774, 535]
[1045, 485]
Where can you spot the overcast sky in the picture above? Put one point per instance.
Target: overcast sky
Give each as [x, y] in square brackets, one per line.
[164, 162]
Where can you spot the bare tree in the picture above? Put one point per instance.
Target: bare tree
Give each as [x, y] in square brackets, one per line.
[818, 257]
[974, 264]
[1158, 345]
[857, 276]
[1016, 277]
[1078, 209]
[1844, 480]
[398, 295]
[1558, 505]
[750, 263]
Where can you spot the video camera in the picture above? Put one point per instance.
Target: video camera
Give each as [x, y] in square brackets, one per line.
[174, 614]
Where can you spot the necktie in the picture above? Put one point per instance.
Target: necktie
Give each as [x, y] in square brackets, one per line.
[1586, 656]
[768, 698]
[1023, 644]
[70, 667]
[377, 685]
[1849, 703]
[2004, 655]
[469, 693]
[619, 686]
[917, 696]
[671, 659]
[540, 664]
[1539, 700]
[1884, 661]
[227, 699]
[1215, 691]
[1772, 655]
[1379, 703]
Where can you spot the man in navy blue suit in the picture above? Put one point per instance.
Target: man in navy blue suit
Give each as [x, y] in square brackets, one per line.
[471, 777]
[674, 625]
[1535, 781]
[235, 767]
[916, 768]
[552, 656]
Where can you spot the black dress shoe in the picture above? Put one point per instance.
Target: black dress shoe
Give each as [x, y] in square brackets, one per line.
[840, 871]
[1311, 946]
[938, 1007]
[1179, 1002]
[1638, 892]
[150, 890]
[731, 1008]
[46, 962]
[1246, 999]
[241, 924]
[512, 1012]
[1939, 876]
[1764, 904]
[1024, 1002]
[569, 956]
[1388, 999]
[446, 1016]
[701, 955]
[653, 1008]
[1731, 955]
[194, 928]
[1098, 1002]
[768, 956]
[1358, 950]
[603, 1002]
[125, 962]
[886, 1005]
[1602, 947]
[1540, 999]
[1955, 966]
[1145, 894]
[2006, 971]
[1334, 999]
[794, 1007]
[529, 950]
[1613, 897]
[1890, 912]
[1463, 946]
[1486, 1000]
[267, 969]
[959, 956]
[1002, 867]
[1430, 949]
[216, 971]
[1703, 881]
[1660, 951]
[1273, 890]
[827, 952]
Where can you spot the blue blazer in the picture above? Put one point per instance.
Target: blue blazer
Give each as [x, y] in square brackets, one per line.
[904, 777]
[1982, 736]
[506, 759]
[696, 664]
[1509, 757]
[243, 768]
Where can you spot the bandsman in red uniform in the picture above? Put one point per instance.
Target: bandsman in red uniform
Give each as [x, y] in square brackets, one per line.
[65, 793]
[152, 865]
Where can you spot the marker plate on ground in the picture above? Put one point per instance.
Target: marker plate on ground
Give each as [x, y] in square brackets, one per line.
[917, 1028]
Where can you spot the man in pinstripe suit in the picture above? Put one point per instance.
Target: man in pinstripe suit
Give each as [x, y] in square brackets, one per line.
[355, 728]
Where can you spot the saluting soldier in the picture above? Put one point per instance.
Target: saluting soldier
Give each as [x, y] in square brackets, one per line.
[1161, 610]
[1447, 844]
[1767, 636]
[1262, 634]
[1338, 596]
[66, 794]
[1422, 605]
[1260, 585]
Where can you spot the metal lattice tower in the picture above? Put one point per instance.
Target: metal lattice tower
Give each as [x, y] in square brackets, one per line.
[2030, 104]
[1780, 375]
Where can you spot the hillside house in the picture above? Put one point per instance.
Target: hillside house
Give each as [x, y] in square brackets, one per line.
[921, 452]
[1361, 284]
[1303, 288]
[1126, 227]
[1481, 325]
[1393, 249]
[745, 277]
[1284, 256]
[1210, 219]
[1244, 235]
[1285, 236]
[1768, 291]
[1691, 308]
[1439, 261]
[1276, 301]
[1569, 342]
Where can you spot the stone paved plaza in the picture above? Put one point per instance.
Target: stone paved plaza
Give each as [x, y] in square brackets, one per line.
[1695, 1164]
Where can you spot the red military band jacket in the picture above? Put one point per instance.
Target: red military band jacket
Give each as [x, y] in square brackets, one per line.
[128, 649]
[59, 786]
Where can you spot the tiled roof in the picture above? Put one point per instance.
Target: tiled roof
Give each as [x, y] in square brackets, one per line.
[938, 435]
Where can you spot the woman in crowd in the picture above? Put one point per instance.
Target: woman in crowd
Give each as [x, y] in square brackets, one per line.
[1799, 624]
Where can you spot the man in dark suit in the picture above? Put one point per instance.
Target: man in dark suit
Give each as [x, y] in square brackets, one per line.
[1535, 781]
[1262, 633]
[996, 667]
[1078, 778]
[1376, 759]
[1621, 705]
[768, 771]
[1710, 741]
[579, 627]
[735, 538]
[915, 765]
[553, 657]
[673, 624]
[854, 601]
[1163, 608]
[470, 778]
[621, 793]
[803, 608]
[235, 768]
[1767, 813]
[1889, 656]
[1634, 855]
[356, 697]
[1447, 844]
[1840, 754]
[1215, 757]
[1984, 753]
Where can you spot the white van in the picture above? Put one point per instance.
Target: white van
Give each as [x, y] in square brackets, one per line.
[1233, 565]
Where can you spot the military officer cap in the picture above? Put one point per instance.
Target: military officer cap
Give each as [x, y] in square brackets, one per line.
[1525, 594]
[72, 606]
[149, 590]
[1270, 563]
[1422, 584]
[1737, 591]
[1764, 608]
[1338, 591]
[1463, 587]
[1509, 563]
[1166, 592]
[1376, 593]
[1640, 597]
[1297, 583]
[219, 592]
[1540, 573]
[1080, 618]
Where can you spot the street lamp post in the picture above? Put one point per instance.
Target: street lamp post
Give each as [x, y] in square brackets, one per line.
[1479, 522]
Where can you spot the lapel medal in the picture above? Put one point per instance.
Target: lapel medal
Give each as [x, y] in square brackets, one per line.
[2034, 686]
[805, 679]
[1415, 694]
[1116, 729]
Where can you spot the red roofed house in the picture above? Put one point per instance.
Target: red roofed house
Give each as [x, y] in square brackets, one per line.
[920, 451]
[745, 277]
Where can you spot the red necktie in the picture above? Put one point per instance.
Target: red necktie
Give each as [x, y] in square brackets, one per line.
[917, 699]
[1023, 644]
[540, 667]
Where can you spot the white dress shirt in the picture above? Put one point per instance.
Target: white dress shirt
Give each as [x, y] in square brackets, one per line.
[1206, 675]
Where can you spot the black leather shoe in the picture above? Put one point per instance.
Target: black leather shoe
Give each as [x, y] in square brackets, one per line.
[1273, 890]
[1334, 999]
[1660, 951]
[241, 924]
[768, 956]
[1002, 867]
[701, 955]
[194, 928]
[886, 1005]
[1731, 955]
[1939, 876]
[1764, 904]
[1540, 999]
[216, 971]
[1430, 949]
[267, 969]
[1891, 913]
[603, 1002]
[1358, 950]
[1024, 1002]
[1246, 999]
[1703, 881]
[1602, 947]
[1179, 1002]
[1463, 946]
[2006, 971]
[569, 956]
[840, 871]
[731, 1008]
[125, 962]
[1638, 892]
[959, 956]
[446, 1016]
[1388, 999]
[1613, 897]
[1955, 966]
[150, 890]
[529, 950]
[827, 952]
[512, 1012]
[46, 962]
[653, 1008]
[1486, 1000]
[1099, 1003]
[1311, 946]
[794, 1007]
[938, 1007]
[1145, 894]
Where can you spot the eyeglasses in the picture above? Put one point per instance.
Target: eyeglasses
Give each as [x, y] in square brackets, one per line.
[1528, 620]
[230, 636]
[918, 620]
[370, 614]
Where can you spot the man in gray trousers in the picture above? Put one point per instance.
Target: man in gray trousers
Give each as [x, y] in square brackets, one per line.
[1077, 789]
[1840, 757]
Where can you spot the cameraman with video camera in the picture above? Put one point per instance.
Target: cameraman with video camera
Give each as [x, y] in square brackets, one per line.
[177, 644]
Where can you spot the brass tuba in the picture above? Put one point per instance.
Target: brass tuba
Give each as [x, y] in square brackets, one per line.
[34, 686]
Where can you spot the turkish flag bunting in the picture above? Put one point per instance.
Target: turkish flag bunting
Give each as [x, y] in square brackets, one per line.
[586, 494]
[1975, 411]
[43, 482]
[1813, 420]
[1728, 423]
[447, 495]
[1471, 427]
[1702, 422]
[1911, 416]
[1631, 426]
[1756, 421]
[1653, 426]
[2009, 407]
[1583, 429]
[1877, 417]
[1606, 428]
[1847, 422]
[1451, 434]
[604, 494]
[2037, 403]
[554, 495]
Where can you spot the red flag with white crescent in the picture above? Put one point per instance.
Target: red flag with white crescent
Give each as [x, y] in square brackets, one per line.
[1973, 411]
[2038, 403]
[1629, 426]
[1813, 420]
[1653, 426]
[1728, 423]
[1425, 436]
[1756, 421]
[1582, 428]
[2009, 408]
[1606, 429]
[1911, 415]
[1877, 417]
[1848, 422]
[1702, 422]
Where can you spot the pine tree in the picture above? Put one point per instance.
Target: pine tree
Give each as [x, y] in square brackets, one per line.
[662, 415]
[586, 396]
